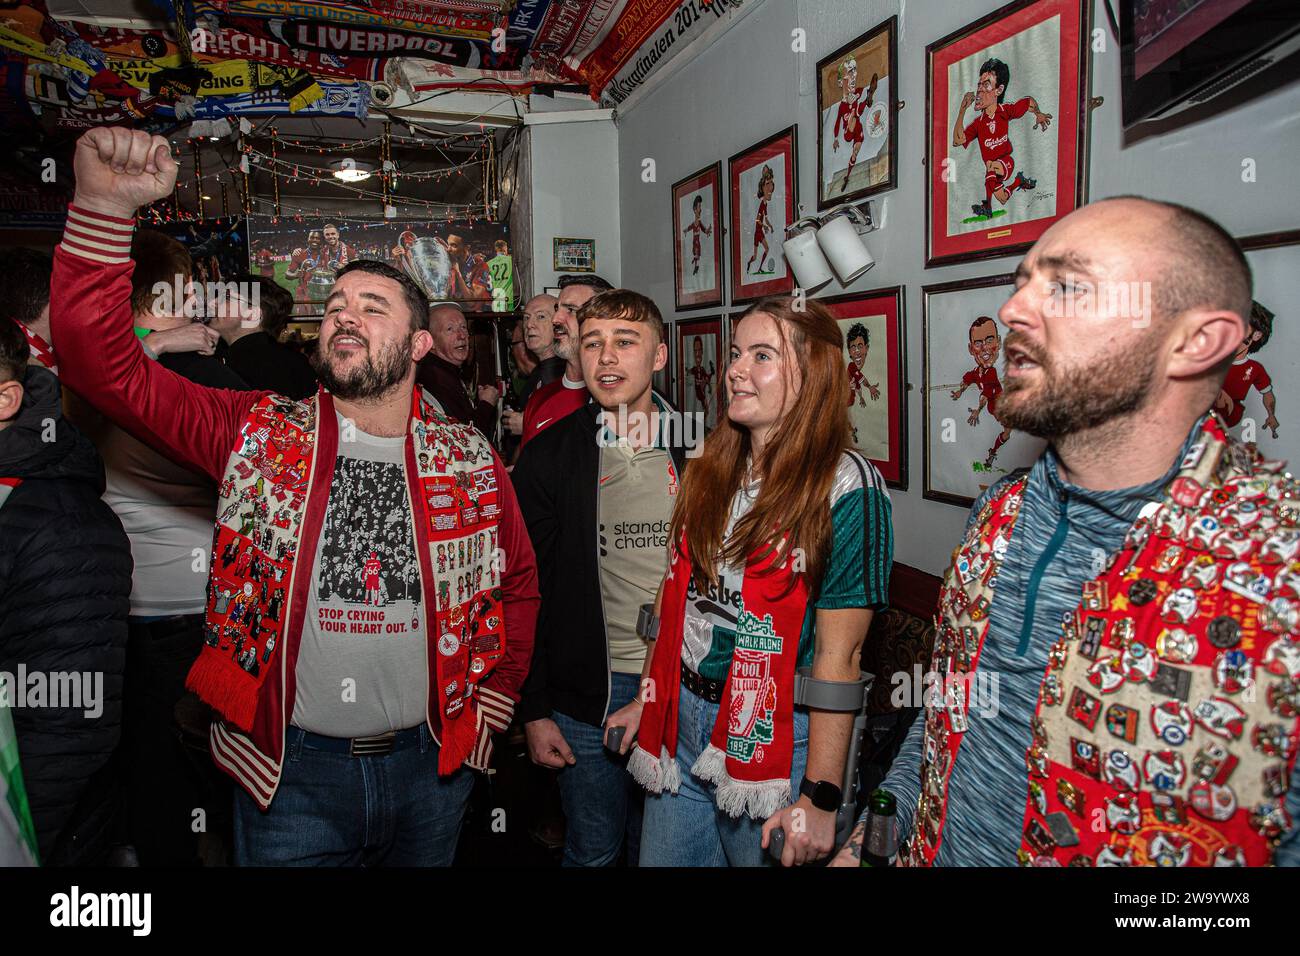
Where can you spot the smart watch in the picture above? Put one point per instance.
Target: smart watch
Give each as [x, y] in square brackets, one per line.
[824, 796]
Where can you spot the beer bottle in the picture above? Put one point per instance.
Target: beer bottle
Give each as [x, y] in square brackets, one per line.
[880, 842]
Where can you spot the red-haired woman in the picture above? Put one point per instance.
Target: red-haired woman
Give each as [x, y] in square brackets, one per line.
[784, 545]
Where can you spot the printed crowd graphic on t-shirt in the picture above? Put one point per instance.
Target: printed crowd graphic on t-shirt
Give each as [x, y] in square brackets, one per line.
[367, 581]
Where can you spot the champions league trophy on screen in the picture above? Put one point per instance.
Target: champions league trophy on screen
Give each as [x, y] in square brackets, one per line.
[428, 263]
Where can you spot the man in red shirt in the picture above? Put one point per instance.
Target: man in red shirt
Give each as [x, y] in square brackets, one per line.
[568, 393]
[984, 345]
[429, 694]
[991, 130]
[1246, 373]
[371, 570]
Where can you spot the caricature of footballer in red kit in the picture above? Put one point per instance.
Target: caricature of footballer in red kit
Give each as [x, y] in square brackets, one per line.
[697, 227]
[991, 129]
[849, 116]
[1247, 373]
[984, 345]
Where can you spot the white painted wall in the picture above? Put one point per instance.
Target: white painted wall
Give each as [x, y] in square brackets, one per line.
[750, 84]
[575, 194]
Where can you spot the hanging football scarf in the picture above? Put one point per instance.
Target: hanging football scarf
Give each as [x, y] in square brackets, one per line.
[474, 21]
[42, 351]
[751, 749]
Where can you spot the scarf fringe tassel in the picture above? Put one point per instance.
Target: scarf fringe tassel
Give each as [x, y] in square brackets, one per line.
[655, 775]
[233, 695]
[758, 799]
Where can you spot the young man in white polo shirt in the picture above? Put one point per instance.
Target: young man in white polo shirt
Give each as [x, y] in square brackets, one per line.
[597, 491]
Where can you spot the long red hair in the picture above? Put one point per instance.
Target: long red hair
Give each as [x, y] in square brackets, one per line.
[797, 465]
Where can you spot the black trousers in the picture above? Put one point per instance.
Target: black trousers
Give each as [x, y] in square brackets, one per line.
[177, 802]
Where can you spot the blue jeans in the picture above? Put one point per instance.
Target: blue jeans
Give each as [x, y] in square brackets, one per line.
[332, 809]
[687, 828]
[602, 803]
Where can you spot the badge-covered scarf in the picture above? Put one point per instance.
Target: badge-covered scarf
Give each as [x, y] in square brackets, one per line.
[752, 745]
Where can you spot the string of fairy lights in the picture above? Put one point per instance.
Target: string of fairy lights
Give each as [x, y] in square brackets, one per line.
[262, 151]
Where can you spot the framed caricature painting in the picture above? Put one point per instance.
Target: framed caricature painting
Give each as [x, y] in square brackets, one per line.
[762, 184]
[699, 367]
[1260, 399]
[857, 104]
[875, 356]
[1006, 122]
[698, 266]
[966, 448]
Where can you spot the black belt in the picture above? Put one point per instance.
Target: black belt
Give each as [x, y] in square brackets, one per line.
[710, 690]
[376, 746]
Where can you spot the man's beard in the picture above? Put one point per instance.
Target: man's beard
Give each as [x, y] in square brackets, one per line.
[565, 347]
[370, 380]
[1070, 400]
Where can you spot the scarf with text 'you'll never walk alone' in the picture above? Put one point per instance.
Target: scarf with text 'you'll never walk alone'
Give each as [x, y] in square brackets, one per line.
[751, 748]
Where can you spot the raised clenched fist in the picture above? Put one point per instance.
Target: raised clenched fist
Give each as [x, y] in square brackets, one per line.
[119, 170]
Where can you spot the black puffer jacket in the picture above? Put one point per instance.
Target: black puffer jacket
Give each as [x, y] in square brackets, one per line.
[65, 585]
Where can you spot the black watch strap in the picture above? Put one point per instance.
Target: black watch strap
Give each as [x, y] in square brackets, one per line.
[824, 796]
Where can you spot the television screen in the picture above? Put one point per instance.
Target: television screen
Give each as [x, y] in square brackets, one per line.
[1177, 53]
[1161, 28]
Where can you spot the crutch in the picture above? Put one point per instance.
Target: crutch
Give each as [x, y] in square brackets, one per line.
[839, 696]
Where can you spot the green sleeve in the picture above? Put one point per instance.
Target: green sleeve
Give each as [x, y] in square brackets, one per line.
[862, 551]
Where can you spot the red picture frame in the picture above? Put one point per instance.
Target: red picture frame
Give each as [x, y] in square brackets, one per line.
[708, 331]
[706, 181]
[848, 310]
[745, 169]
[956, 175]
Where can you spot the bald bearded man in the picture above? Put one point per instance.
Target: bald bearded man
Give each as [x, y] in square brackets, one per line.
[1134, 598]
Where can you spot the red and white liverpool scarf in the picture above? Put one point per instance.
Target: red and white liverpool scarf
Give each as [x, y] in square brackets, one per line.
[42, 350]
[751, 748]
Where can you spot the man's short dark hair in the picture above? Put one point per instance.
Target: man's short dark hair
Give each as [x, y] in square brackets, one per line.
[14, 351]
[980, 321]
[1001, 72]
[416, 301]
[25, 279]
[858, 331]
[1261, 321]
[275, 301]
[596, 282]
[623, 304]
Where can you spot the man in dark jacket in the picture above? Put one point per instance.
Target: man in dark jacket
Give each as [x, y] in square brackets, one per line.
[439, 371]
[250, 329]
[597, 491]
[65, 580]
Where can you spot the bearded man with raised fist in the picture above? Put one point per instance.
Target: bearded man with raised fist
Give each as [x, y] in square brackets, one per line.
[349, 729]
